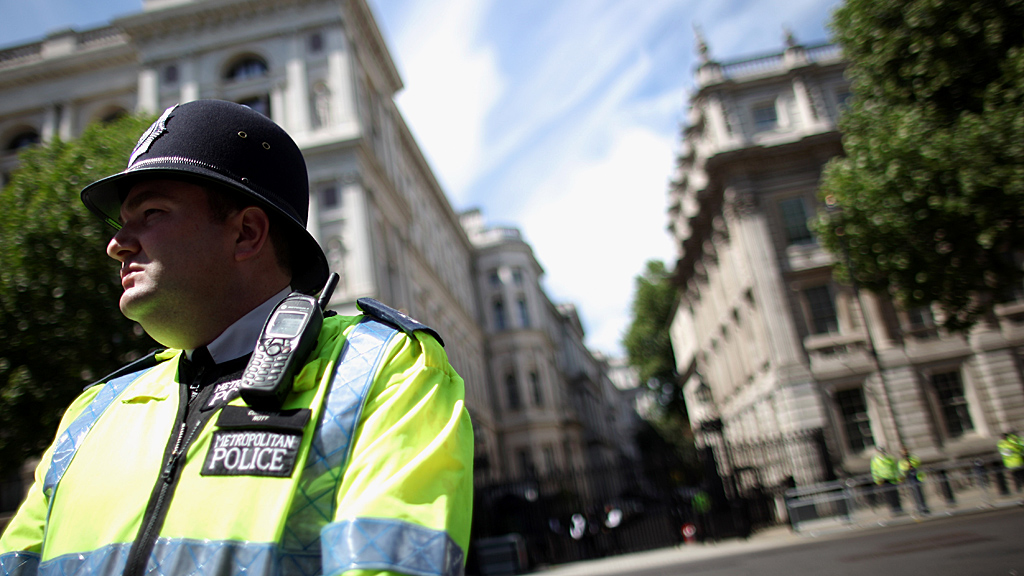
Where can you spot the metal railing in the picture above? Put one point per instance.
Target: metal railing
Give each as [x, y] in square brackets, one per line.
[941, 490]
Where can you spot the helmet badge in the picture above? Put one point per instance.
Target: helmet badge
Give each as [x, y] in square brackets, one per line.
[156, 130]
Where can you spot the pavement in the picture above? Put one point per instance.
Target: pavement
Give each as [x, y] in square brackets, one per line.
[775, 537]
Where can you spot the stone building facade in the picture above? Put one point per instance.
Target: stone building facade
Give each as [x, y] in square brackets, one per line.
[788, 373]
[321, 69]
[554, 399]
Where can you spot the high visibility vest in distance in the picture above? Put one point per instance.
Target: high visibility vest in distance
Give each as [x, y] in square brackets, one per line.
[382, 472]
[1013, 457]
[883, 469]
[912, 462]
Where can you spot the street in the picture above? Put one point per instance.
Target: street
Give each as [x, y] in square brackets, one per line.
[989, 543]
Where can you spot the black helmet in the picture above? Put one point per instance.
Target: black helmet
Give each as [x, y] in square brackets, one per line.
[233, 146]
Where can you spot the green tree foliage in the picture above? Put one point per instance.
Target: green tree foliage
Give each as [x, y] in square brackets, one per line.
[649, 351]
[929, 200]
[647, 342]
[60, 326]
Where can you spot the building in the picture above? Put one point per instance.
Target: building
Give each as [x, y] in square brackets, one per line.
[790, 375]
[553, 399]
[321, 69]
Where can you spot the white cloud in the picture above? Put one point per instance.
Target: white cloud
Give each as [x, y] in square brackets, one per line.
[452, 82]
[595, 222]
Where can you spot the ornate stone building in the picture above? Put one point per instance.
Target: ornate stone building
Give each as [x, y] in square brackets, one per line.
[552, 398]
[321, 70]
[787, 372]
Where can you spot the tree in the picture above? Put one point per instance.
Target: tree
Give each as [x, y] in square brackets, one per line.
[929, 200]
[60, 326]
[647, 341]
[649, 350]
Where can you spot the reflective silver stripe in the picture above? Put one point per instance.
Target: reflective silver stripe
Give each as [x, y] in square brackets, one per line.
[19, 564]
[386, 544]
[174, 557]
[353, 377]
[314, 503]
[68, 443]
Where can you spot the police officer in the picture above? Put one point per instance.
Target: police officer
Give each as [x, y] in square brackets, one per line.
[911, 473]
[885, 473]
[366, 464]
[1012, 451]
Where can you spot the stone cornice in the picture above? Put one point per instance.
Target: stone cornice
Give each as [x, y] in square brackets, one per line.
[366, 26]
[146, 26]
[79, 53]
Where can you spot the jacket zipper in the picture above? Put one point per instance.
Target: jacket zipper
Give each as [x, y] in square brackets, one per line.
[138, 556]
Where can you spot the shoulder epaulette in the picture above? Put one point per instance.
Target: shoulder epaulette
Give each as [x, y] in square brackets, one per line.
[147, 361]
[385, 313]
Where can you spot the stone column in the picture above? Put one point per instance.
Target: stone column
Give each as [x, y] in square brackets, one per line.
[339, 80]
[51, 120]
[359, 239]
[189, 80]
[148, 99]
[297, 99]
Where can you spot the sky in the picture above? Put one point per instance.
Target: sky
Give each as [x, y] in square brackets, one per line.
[558, 117]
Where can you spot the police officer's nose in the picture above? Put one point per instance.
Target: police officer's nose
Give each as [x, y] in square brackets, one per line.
[122, 245]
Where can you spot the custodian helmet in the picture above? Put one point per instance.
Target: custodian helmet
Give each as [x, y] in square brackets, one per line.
[230, 145]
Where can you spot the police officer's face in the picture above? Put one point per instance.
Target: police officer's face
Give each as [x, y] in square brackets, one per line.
[174, 257]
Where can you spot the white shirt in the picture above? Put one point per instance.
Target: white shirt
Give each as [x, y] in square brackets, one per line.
[240, 338]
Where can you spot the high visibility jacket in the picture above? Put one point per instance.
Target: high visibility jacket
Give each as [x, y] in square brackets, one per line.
[1013, 456]
[911, 463]
[367, 466]
[883, 469]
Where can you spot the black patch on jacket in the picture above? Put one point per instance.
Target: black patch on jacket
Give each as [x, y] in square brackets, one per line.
[252, 453]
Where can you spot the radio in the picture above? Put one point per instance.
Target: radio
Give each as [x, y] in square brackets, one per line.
[287, 339]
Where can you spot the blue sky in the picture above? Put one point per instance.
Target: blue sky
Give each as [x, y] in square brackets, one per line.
[559, 117]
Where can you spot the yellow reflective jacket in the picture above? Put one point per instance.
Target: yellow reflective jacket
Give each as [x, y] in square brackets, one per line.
[884, 469]
[1010, 450]
[366, 467]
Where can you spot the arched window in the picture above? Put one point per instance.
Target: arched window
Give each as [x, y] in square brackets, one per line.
[259, 103]
[113, 115]
[246, 68]
[23, 139]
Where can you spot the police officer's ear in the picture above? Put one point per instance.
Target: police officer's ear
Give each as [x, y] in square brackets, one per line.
[252, 225]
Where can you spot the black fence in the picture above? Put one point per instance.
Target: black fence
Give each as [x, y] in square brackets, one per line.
[574, 515]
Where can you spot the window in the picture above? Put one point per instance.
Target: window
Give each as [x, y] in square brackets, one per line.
[26, 138]
[517, 276]
[921, 323]
[525, 462]
[794, 221]
[494, 278]
[113, 116]
[500, 322]
[171, 74]
[329, 199]
[260, 104]
[246, 69]
[843, 98]
[821, 310]
[549, 459]
[524, 313]
[949, 389]
[765, 116]
[854, 412]
[538, 397]
[512, 391]
[316, 42]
